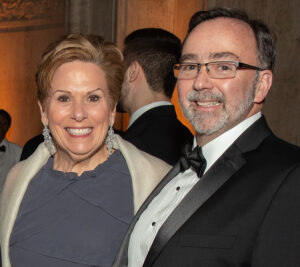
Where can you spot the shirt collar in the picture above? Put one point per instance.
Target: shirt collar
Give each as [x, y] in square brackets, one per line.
[215, 148]
[139, 112]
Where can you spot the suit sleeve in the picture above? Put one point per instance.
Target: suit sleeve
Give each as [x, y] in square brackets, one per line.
[278, 241]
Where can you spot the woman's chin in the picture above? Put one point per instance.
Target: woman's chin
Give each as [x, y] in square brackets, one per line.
[82, 154]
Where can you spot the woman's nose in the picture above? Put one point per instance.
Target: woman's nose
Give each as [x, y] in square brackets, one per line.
[79, 111]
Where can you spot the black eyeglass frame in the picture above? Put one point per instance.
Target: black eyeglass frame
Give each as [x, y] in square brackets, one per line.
[239, 65]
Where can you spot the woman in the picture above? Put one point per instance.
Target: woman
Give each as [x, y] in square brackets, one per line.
[70, 203]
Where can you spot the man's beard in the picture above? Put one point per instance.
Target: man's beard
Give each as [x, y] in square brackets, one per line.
[121, 106]
[199, 119]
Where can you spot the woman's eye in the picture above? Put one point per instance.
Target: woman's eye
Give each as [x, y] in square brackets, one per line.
[63, 98]
[93, 98]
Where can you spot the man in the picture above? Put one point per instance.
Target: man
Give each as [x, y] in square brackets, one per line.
[149, 56]
[9, 152]
[31, 145]
[245, 209]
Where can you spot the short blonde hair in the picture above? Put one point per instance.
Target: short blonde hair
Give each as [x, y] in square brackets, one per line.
[85, 48]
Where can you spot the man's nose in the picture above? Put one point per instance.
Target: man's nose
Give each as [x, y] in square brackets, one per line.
[202, 80]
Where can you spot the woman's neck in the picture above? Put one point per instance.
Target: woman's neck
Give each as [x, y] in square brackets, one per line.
[67, 162]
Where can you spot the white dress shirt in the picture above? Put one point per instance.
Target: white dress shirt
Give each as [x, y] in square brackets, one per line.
[172, 194]
[8, 159]
[139, 112]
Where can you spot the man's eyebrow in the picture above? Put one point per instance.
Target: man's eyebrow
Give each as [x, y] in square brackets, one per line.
[188, 57]
[223, 55]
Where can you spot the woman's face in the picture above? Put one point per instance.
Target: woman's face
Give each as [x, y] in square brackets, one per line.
[78, 111]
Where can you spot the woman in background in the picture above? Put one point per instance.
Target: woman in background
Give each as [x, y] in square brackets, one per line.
[70, 203]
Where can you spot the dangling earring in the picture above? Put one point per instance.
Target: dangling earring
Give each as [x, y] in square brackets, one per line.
[109, 140]
[48, 140]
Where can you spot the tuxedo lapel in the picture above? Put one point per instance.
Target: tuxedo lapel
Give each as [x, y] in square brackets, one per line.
[122, 256]
[224, 168]
[216, 176]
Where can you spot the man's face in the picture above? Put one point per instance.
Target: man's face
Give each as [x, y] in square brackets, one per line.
[124, 98]
[3, 127]
[215, 105]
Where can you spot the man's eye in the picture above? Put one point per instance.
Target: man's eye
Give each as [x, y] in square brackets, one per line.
[93, 98]
[63, 98]
[224, 67]
[188, 67]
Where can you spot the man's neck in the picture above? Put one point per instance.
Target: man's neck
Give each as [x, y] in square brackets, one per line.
[203, 139]
[147, 99]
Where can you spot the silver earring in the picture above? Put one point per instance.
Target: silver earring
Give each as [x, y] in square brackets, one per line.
[109, 140]
[48, 140]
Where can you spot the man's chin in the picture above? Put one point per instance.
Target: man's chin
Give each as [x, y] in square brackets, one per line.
[208, 128]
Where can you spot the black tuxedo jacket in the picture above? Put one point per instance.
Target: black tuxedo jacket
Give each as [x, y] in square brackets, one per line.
[159, 133]
[245, 210]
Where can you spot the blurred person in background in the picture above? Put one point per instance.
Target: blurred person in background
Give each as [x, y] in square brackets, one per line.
[149, 56]
[9, 152]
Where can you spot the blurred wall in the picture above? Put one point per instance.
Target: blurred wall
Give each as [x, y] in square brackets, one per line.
[92, 16]
[26, 28]
[282, 107]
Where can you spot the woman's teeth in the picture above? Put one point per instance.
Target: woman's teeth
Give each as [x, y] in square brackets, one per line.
[79, 132]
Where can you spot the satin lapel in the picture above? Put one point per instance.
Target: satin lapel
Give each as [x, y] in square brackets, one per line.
[122, 256]
[222, 170]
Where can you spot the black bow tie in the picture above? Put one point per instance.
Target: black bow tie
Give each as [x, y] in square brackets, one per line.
[2, 148]
[194, 159]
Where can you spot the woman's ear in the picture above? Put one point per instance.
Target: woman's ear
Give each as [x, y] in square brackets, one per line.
[113, 116]
[263, 86]
[44, 117]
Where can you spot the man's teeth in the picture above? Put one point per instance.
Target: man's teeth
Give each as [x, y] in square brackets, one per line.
[208, 104]
[74, 131]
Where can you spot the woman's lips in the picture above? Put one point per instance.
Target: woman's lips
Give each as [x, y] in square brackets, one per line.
[79, 131]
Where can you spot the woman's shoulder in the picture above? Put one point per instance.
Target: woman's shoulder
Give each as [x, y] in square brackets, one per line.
[14, 172]
[23, 172]
[10, 182]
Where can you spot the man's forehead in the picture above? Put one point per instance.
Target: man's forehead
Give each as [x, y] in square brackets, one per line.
[220, 38]
[211, 56]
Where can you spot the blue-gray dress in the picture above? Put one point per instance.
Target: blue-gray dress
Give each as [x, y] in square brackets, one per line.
[65, 220]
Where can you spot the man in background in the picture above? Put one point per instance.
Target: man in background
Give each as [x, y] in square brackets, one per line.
[31, 145]
[149, 82]
[9, 152]
[234, 200]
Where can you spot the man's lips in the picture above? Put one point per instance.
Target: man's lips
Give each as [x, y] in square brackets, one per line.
[208, 103]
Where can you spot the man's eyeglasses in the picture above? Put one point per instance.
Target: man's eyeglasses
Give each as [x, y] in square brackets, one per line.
[216, 70]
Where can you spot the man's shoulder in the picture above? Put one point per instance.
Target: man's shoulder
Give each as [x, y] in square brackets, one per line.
[282, 147]
[14, 147]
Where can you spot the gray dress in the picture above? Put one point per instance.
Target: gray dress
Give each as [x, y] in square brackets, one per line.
[66, 220]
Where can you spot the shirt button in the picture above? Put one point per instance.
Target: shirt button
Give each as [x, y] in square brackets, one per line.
[178, 188]
[153, 223]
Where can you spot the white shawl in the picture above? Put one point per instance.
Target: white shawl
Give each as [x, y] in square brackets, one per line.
[146, 172]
